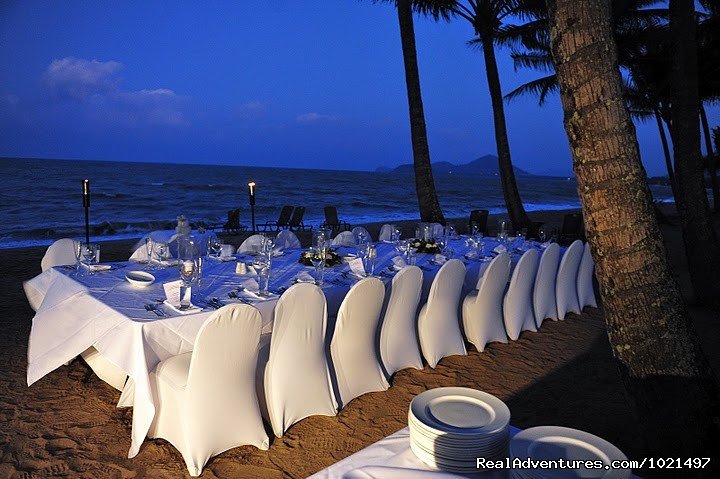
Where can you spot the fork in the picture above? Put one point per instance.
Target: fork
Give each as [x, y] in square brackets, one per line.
[151, 307]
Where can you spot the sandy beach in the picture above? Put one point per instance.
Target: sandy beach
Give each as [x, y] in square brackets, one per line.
[67, 425]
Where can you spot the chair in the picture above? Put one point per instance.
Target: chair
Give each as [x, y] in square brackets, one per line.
[573, 228]
[438, 322]
[518, 303]
[232, 225]
[482, 310]
[479, 218]
[544, 302]
[359, 232]
[282, 222]
[332, 221]
[353, 345]
[386, 232]
[252, 244]
[205, 400]
[286, 239]
[296, 221]
[297, 378]
[60, 253]
[344, 238]
[436, 230]
[398, 333]
[586, 293]
[566, 285]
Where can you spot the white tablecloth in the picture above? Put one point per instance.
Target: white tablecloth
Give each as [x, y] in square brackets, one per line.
[392, 458]
[104, 311]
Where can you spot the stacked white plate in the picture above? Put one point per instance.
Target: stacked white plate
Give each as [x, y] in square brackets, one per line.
[451, 427]
[554, 442]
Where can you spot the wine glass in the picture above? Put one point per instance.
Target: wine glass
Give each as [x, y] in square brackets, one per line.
[188, 274]
[78, 254]
[162, 251]
[317, 259]
[369, 260]
[149, 249]
[542, 235]
[263, 271]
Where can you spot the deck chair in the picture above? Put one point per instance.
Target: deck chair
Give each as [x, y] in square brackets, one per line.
[573, 228]
[332, 221]
[232, 225]
[283, 221]
[478, 217]
[296, 220]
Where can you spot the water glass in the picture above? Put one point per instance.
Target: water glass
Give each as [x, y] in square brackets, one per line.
[542, 235]
[149, 248]
[188, 274]
[161, 251]
[79, 245]
[318, 261]
[215, 246]
[264, 279]
[369, 260]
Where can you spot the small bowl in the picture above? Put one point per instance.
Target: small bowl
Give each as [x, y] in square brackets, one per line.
[140, 278]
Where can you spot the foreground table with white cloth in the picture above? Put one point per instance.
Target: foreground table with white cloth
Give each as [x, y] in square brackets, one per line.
[391, 458]
[104, 311]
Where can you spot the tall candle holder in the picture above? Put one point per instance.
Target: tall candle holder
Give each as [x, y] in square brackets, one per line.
[86, 205]
[251, 189]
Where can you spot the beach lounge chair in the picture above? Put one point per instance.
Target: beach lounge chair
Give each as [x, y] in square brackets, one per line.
[206, 398]
[573, 228]
[232, 225]
[296, 221]
[283, 221]
[332, 221]
[479, 218]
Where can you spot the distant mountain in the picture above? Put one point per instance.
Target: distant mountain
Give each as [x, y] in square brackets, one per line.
[484, 166]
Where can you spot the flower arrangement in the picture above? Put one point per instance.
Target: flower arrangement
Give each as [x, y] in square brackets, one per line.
[331, 258]
[422, 246]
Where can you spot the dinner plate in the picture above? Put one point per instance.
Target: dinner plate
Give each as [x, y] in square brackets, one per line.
[456, 440]
[554, 442]
[460, 411]
[139, 278]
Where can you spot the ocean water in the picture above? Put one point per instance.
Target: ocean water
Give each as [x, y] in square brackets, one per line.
[41, 200]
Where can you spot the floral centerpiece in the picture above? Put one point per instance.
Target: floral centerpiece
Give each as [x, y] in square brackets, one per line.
[331, 257]
[422, 246]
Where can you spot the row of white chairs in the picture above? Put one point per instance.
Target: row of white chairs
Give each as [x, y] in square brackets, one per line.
[206, 406]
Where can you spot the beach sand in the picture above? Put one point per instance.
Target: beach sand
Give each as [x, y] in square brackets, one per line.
[67, 425]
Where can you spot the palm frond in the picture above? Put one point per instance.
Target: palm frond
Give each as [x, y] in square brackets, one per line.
[539, 87]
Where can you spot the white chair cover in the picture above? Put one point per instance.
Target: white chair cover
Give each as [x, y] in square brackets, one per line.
[60, 253]
[566, 284]
[358, 230]
[252, 244]
[544, 302]
[482, 310]
[438, 322]
[206, 399]
[518, 302]
[386, 232]
[297, 377]
[398, 333]
[586, 293]
[353, 346]
[437, 230]
[346, 238]
[286, 239]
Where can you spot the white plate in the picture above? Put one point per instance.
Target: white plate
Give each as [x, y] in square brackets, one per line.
[482, 440]
[139, 278]
[460, 411]
[554, 442]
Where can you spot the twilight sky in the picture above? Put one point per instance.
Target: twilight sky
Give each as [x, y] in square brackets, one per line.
[316, 84]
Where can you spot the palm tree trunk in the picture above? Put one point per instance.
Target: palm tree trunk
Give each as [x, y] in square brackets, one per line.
[424, 184]
[514, 204]
[701, 246]
[666, 152]
[711, 166]
[651, 335]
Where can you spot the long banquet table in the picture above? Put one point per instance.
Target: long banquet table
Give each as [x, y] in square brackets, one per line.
[103, 310]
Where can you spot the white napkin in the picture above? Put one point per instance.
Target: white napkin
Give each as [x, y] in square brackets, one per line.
[357, 267]
[304, 277]
[226, 251]
[439, 259]
[398, 263]
[172, 293]
[277, 251]
[99, 267]
[545, 244]
[500, 249]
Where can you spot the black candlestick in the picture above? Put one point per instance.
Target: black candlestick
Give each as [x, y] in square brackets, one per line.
[86, 205]
[251, 188]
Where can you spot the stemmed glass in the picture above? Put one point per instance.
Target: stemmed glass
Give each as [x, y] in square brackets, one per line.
[149, 249]
[89, 253]
[542, 235]
[370, 254]
[162, 251]
[263, 271]
[215, 246]
[189, 271]
[79, 245]
[318, 261]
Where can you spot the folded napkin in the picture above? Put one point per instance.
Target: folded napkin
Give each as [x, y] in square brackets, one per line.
[500, 249]
[304, 277]
[357, 267]
[398, 263]
[256, 296]
[545, 244]
[99, 267]
[172, 293]
[277, 251]
[439, 259]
